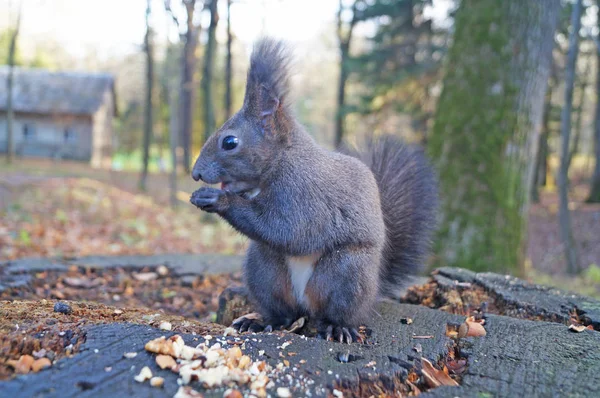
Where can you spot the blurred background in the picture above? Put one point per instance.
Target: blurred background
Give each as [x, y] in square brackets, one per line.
[104, 106]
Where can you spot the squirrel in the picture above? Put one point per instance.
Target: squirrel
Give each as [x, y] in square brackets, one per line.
[330, 231]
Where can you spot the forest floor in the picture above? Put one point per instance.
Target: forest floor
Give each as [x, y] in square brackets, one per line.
[70, 209]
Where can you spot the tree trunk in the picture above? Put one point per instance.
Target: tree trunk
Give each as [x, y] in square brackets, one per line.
[188, 65]
[173, 128]
[12, 49]
[541, 162]
[344, 39]
[228, 64]
[148, 106]
[566, 233]
[595, 183]
[487, 128]
[584, 81]
[207, 76]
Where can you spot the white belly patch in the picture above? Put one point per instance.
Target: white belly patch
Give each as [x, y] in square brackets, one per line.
[301, 269]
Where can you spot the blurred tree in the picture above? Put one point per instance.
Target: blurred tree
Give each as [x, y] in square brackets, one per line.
[583, 80]
[188, 65]
[5, 40]
[228, 61]
[171, 87]
[594, 196]
[347, 18]
[10, 149]
[566, 233]
[207, 75]
[148, 118]
[401, 50]
[486, 129]
[541, 168]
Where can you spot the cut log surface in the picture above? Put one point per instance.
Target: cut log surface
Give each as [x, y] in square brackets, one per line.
[521, 299]
[516, 358]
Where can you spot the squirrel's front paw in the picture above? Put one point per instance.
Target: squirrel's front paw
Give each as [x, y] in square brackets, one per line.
[211, 200]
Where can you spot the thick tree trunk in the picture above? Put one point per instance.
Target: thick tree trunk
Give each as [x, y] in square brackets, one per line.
[12, 49]
[566, 233]
[148, 105]
[207, 76]
[188, 65]
[487, 127]
[595, 183]
[228, 61]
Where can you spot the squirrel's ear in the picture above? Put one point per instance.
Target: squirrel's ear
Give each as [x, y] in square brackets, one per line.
[267, 87]
[268, 105]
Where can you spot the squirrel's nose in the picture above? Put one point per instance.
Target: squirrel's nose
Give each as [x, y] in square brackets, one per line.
[196, 175]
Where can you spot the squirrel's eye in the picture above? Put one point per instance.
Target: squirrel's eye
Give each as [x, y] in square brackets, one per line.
[230, 142]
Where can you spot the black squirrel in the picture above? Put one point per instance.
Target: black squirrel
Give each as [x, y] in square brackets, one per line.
[329, 231]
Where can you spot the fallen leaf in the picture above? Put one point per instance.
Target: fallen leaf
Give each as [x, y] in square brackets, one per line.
[457, 366]
[435, 377]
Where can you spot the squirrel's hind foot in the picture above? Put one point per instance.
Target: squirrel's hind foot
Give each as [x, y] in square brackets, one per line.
[342, 334]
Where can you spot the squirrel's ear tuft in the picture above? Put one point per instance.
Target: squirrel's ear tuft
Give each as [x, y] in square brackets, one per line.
[268, 82]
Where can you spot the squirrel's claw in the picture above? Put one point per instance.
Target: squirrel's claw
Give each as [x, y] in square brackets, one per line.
[341, 334]
[249, 325]
[207, 199]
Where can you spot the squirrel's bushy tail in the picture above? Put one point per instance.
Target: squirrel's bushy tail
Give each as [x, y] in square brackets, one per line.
[408, 192]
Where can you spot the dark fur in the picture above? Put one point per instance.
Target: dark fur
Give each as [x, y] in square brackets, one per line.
[313, 202]
[408, 191]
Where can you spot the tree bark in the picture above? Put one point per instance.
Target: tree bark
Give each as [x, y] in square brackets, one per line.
[344, 38]
[207, 76]
[486, 129]
[594, 196]
[12, 49]
[148, 106]
[188, 65]
[564, 217]
[228, 61]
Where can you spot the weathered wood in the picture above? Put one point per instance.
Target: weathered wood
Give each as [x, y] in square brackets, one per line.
[393, 353]
[516, 358]
[520, 299]
[520, 358]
